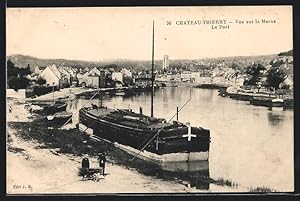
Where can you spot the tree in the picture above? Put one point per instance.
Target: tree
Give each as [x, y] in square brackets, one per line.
[11, 69]
[114, 66]
[27, 70]
[41, 81]
[18, 83]
[254, 72]
[234, 65]
[276, 75]
[16, 76]
[276, 63]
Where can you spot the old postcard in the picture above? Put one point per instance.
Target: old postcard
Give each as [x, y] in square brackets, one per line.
[150, 100]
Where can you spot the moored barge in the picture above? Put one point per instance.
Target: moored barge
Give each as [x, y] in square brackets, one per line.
[267, 102]
[171, 141]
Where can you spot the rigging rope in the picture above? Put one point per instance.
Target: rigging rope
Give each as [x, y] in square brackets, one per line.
[156, 134]
[82, 107]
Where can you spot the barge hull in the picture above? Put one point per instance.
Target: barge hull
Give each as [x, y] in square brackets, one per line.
[169, 142]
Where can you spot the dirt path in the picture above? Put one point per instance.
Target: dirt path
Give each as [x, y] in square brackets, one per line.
[36, 170]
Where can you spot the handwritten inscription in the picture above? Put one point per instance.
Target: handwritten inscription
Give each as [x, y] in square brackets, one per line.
[219, 24]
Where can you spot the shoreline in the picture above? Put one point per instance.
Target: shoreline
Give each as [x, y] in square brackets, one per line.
[48, 171]
[45, 167]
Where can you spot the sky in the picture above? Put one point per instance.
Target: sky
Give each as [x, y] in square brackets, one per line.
[97, 34]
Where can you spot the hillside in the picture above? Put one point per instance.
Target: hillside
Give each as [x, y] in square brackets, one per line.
[22, 61]
[237, 59]
[288, 53]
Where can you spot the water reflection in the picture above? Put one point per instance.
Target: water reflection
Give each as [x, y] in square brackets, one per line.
[190, 166]
[192, 173]
[275, 118]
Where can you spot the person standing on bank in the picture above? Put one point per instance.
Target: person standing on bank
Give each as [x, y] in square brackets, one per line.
[85, 164]
[102, 160]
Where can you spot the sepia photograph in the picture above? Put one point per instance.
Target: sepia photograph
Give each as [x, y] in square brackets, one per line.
[151, 100]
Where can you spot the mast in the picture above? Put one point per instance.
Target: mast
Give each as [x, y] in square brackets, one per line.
[53, 94]
[152, 73]
[101, 100]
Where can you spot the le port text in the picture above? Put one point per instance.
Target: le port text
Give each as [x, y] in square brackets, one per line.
[220, 26]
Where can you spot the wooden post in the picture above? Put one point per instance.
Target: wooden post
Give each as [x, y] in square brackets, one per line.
[101, 100]
[53, 94]
[177, 114]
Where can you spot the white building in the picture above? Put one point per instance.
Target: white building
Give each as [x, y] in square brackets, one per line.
[126, 72]
[173, 77]
[64, 73]
[39, 69]
[185, 76]
[52, 76]
[195, 75]
[165, 62]
[161, 78]
[117, 76]
[83, 78]
[94, 71]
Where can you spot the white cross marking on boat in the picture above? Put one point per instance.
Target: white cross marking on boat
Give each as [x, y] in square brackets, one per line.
[189, 135]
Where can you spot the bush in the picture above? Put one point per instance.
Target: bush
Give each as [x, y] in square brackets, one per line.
[17, 83]
[41, 81]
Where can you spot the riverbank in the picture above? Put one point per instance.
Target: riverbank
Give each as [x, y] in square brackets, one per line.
[16, 111]
[33, 167]
[48, 156]
[286, 96]
[32, 145]
[194, 84]
[42, 160]
[65, 93]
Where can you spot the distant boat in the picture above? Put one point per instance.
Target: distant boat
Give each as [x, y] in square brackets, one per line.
[266, 101]
[55, 107]
[59, 118]
[171, 84]
[247, 95]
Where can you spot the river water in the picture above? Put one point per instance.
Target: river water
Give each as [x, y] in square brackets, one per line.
[251, 146]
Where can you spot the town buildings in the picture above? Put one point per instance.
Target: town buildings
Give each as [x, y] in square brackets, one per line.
[64, 76]
[197, 72]
[94, 78]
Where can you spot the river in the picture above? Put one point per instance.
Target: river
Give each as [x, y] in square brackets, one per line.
[251, 146]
